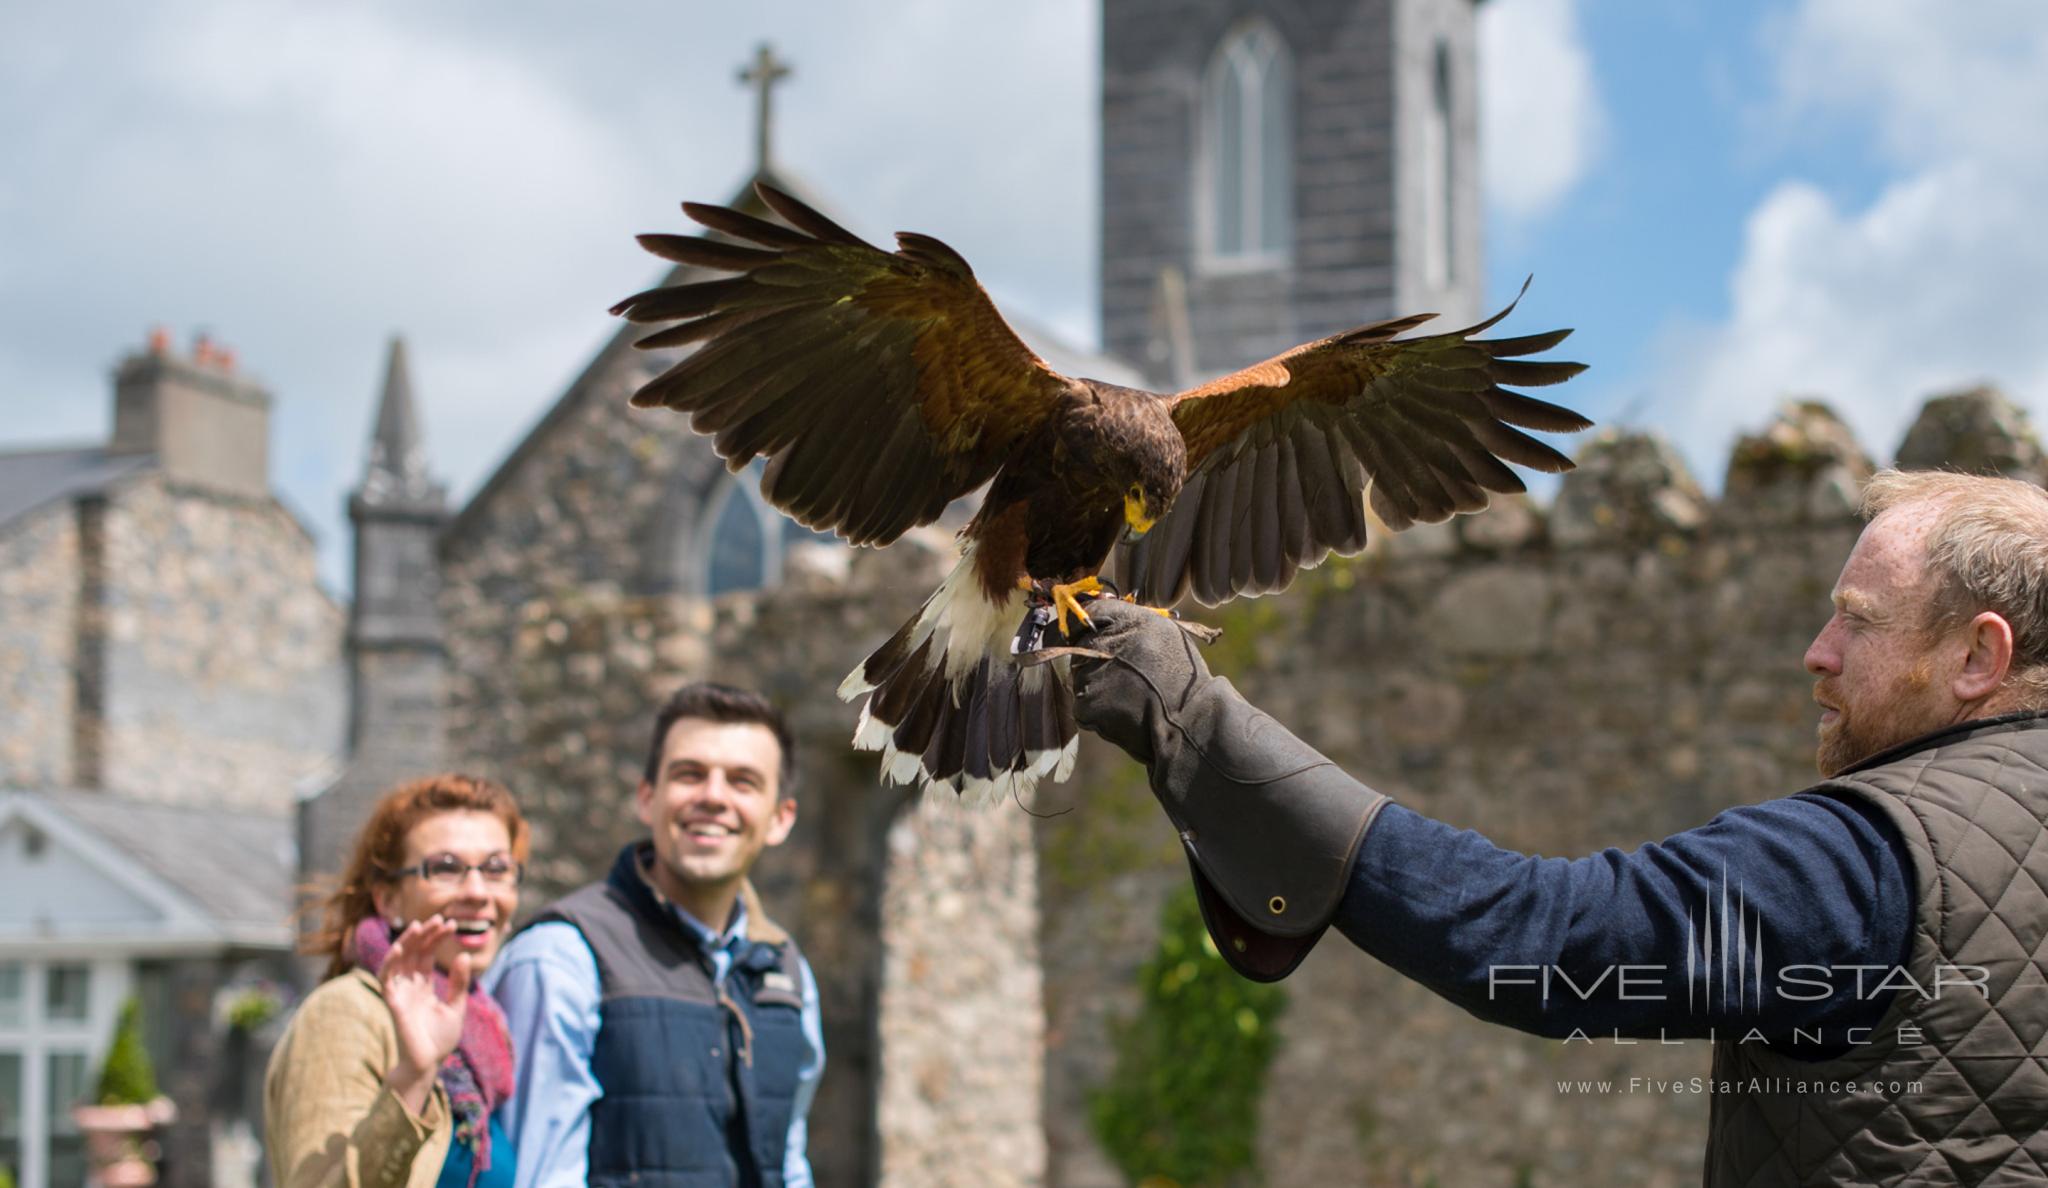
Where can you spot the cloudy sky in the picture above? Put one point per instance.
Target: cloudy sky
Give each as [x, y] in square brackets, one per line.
[1734, 202]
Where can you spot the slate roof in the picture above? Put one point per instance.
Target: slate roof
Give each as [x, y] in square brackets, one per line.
[29, 479]
[237, 867]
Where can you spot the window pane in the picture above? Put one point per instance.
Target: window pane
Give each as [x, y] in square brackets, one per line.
[66, 1081]
[67, 1159]
[11, 1071]
[69, 997]
[1229, 180]
[1276, 168]
[737, 558]
[10, 1095]
[13, 1010]
[67, 1089]
[1436, 178]
[1448, 162]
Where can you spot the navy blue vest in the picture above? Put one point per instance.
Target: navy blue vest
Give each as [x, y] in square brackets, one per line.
[699, 1081]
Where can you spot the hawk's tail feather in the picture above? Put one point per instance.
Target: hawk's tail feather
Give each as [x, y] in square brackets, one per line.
[948, 706]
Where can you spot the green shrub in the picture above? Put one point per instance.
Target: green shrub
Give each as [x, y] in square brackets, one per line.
[1182, 1104]
[253, 1006]
[127, 1078]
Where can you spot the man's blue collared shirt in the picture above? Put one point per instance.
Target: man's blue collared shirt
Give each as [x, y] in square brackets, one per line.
[546, 980]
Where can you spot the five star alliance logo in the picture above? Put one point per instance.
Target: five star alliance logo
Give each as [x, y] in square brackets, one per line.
[1709, 950]
[1726, 975]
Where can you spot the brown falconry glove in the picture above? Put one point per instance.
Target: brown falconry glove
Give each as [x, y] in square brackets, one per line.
[1270, 826]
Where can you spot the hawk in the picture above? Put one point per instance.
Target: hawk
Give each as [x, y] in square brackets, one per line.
[880, 386]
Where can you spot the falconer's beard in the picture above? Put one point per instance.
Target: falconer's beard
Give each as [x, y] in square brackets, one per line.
[1875, 721]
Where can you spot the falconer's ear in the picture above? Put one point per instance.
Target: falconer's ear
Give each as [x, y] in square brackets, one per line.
[1988, 660]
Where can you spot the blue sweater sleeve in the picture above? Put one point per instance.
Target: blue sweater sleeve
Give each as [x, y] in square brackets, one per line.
[1755, 920]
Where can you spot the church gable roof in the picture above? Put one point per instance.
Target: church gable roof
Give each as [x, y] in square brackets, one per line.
[30, 479]
[617, 355]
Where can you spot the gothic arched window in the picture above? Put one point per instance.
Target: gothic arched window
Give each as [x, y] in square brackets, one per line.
[743, 540]
[1245, 183]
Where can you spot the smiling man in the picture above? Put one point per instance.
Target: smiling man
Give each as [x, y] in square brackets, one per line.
[1885, 1025]
[667, 1031]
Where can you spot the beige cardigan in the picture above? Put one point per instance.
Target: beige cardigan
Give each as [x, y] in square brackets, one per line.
[328, 1120]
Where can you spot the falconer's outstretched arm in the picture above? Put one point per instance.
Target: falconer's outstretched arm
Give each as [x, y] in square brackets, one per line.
[1264, 817]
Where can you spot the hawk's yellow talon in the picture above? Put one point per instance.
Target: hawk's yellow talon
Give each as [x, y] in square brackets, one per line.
[1065, 601]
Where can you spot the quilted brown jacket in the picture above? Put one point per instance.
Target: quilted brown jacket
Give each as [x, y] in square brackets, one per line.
[1953, 1086]
[328, 1119]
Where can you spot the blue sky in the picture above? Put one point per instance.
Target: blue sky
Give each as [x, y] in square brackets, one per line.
[1643, 242]
[1734, 203]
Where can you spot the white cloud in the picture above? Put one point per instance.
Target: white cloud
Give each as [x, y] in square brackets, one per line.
[1541, 121]
[1935, 283]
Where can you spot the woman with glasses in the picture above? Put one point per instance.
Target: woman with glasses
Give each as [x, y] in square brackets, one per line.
[388, 1074]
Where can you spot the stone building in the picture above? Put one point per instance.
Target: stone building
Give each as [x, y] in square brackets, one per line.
[170, 679]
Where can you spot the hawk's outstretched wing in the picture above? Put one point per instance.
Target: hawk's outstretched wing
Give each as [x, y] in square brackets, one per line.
[880, 386]
[1284, 455]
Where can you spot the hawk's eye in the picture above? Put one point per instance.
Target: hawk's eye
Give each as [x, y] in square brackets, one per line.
[1136, 494]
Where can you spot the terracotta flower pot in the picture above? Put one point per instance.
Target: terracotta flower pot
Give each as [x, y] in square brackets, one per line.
[117, 1141]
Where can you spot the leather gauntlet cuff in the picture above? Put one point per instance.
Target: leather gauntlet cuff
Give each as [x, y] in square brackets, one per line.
[1270, 826]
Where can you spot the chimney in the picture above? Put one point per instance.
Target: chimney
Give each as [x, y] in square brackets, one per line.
[207, 426]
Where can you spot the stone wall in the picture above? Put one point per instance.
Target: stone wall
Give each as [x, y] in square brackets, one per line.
[222, 657]
[38, 634]
[962, 1008]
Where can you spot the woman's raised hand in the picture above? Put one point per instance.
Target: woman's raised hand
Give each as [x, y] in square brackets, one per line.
[429, 1025]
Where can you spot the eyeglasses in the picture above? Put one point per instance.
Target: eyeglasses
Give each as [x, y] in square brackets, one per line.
[448, 871]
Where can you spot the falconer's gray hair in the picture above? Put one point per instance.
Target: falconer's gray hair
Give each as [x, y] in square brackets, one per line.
[1989, 552]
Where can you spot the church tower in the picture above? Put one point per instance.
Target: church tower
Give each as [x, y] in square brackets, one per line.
[395, 628]
[398, 660]
[1277, 170]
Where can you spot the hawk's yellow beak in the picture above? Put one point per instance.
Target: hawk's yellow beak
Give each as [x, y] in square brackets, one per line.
[1134, 514]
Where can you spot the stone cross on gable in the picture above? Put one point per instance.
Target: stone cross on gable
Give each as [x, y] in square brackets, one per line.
[762, 74]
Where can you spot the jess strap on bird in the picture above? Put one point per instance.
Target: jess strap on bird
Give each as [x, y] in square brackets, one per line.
[1270, 826]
